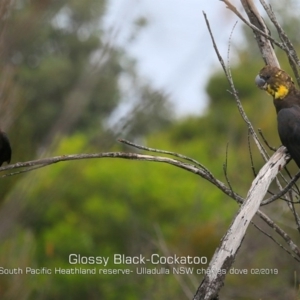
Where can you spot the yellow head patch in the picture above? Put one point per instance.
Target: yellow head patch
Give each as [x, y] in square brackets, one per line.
[278, 92]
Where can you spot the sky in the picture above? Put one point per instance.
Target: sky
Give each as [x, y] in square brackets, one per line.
[174, 51]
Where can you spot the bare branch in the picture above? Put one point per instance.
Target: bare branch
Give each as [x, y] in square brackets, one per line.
[251, 156]
[231, 242]
[283, 191]
[235, 94]
[264, 44]
[287, 44]
[214, 43]
[292, 206]
[283, 234]
[228, 191]
[280, 245]
[199, 170]
[164, 152]
[265, 141]
[260, 31]
[225, 169]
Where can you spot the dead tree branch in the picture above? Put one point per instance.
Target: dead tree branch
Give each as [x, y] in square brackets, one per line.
[193, 167]
[264, 44]
[286, 43]
[231, 242]
[260, 30]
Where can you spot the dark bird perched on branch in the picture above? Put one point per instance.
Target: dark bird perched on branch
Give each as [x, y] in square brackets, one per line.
[286, 98]
[5, 149]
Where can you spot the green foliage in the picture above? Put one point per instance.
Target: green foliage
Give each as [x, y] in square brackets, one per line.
[50, 71]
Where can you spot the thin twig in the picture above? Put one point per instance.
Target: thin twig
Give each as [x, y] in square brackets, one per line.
[251, 156]
[295, 188]
[225, 169]
[214, 43]
[282, 233]
[265, 140]
[296, 216]
[24, 171]
[280, 245]
[229, 45]
[235, 94]
[283, 191]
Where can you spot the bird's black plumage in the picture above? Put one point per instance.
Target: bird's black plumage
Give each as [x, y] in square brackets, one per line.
[286, 98]
[5, 149]
[288, 122]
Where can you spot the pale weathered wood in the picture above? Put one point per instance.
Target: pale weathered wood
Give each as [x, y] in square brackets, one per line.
[230, 243]
[264, 44]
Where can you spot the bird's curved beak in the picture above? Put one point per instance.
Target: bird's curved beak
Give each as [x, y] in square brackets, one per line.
[260, 82]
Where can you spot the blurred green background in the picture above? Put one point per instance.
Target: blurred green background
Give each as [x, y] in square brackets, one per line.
[60, 83]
